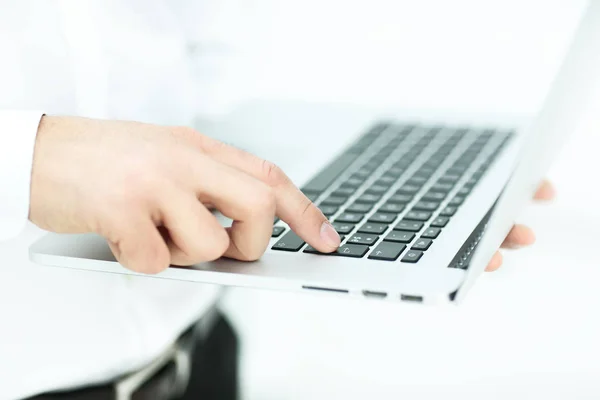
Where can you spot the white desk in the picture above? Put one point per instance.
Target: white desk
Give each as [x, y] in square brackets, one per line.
[530, 330]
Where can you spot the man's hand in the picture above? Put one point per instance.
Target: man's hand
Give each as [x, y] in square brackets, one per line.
[142, 187]
[521, 235]
[145, 187]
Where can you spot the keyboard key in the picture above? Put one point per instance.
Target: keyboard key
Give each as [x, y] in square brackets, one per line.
[386, 180]
[431, 233]
[464, 191]
[440, 222]
[289, 242]
[365, 239]
[399, 237]
[344, 192]
[377, 189]
[342, 228]
[456, 201]
[387, 251]
[352, 250]
[400, 198]
[441, 187]
[411, 226]
[330, 173]
[362, 174]
[434, 196]
[448, 211]
[384, 218]
[449, 178]
[275, 220]
[426, 205]
[408, 189]
[334, 201]
[350, 217]
[422, 244]
[391, 208]
[352, 183]
[277, 231]
[412, 256]
[362, 208]
[394, 172]
[328, 211]
[417, 181]
[312, 196]
[368, 198]
[372, 227]
[418, 215]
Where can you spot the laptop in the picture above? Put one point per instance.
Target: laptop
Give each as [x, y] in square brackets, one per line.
[420, 203]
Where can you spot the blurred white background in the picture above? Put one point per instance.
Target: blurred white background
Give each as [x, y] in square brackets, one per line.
[524, 331]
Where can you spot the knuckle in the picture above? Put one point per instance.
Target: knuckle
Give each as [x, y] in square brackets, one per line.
[218, 247]
[262, 200]
[272, 174]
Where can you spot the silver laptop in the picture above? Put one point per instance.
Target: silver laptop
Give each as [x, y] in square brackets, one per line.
[421, 204]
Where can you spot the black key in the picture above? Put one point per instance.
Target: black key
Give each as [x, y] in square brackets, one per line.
[400, 198]
[372, 227]
[365, 239]
[471, 183]
[362, 174]
[411, 226]
[275, 220]
[449, 178]
[464, 191]
[342, 228]
[434, 196]
[329, 210]
[391, 208]
[426, 205]
[377, 189]
[334, 201]
[326, 177]
[422, 244]
[360, 208]
[394, 172]
[417, 181]
[352, 183]
[277, 231]
[440, 222]
[417, 215]
[412, 256]
[441, 187]
[400, 237]
[408, 189]
[448, 211]
[344, 192]
[368, 198]
[431, 233]
[383, 218]
[349, 217]
[387, 251]
[312, 196]
[289, 242]
[351, 250]
[386, 180]
[456, 201]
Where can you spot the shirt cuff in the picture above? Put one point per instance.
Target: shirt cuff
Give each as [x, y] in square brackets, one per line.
[18, 130]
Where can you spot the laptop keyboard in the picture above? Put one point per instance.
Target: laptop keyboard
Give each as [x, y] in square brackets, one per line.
[391, 193]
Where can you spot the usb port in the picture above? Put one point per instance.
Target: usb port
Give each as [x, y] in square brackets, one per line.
[410, 297]
[372, 293]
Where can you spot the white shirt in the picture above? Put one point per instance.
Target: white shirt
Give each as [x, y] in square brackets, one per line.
[62, 329]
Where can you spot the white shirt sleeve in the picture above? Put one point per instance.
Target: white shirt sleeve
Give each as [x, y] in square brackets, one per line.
[18, 130]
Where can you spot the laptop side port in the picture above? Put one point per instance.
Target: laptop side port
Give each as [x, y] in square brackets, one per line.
[411, 298]
[374, 294]
[325, 289]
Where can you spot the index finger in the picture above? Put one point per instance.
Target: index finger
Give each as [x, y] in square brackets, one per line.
[292, 205]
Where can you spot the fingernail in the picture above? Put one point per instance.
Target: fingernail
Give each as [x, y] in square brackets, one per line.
[329, 235]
